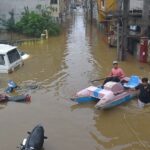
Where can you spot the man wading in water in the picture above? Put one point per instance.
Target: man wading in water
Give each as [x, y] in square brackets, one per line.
[144, 92]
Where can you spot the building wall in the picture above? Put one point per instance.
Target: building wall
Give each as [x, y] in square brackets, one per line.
[111, 5]
[59, 10]
[95, 11]
[105, 6]
[62, 6]
[136, 4]
[144, 6]
[55, 9]
[18, 6]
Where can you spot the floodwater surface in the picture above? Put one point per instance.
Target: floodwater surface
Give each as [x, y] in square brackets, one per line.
[61, 66]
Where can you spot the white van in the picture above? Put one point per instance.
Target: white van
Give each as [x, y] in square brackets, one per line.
[10, 58]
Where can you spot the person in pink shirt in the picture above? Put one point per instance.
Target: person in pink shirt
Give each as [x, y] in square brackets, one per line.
[117, 74]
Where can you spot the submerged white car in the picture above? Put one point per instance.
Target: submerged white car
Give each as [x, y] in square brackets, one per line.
[23, 55]
[10, 58]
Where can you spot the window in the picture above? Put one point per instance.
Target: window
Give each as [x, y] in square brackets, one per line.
[2, 61]
[13, 56]
[53, 1]
[135, 28]
[103, 3]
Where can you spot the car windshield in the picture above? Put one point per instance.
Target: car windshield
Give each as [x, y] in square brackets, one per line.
[21, 53]
[13, 55]
[2, 61]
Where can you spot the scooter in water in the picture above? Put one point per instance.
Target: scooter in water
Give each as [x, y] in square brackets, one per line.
[35, 140]
[17, 98]
[12, 86]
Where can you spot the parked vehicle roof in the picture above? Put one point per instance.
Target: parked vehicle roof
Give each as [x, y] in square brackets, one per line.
[4, 48]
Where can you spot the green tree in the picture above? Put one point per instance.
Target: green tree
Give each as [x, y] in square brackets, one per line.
[33, 23]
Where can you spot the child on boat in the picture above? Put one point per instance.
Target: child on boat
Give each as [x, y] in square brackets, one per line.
[144, 92]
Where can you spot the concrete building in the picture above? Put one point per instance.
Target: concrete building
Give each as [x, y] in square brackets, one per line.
[104, 7]
[58, 7]
[136, 4]
[91, 10]
[138, 20]
[18, 6]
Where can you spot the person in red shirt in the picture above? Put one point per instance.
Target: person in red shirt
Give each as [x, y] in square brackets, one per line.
[117, 74]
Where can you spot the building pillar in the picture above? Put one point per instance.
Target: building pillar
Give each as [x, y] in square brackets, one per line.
[145, 17]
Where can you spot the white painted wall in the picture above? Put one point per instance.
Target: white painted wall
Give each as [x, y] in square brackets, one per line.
[136, 4]
[18, 6]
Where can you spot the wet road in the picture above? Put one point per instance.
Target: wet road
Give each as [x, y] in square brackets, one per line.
[61, 66]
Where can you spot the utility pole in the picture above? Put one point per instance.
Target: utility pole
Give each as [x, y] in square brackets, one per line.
[86, 9]
[118, 40]
[119, 29]
[123, 36]
[91, 11]
[146, 9]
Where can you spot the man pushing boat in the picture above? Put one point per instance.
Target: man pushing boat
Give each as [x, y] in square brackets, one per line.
[144, 92]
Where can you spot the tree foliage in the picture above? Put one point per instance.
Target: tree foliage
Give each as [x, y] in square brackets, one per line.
[10, 23]
[33, 23]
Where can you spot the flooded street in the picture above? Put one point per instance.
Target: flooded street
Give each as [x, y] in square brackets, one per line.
[61, 66]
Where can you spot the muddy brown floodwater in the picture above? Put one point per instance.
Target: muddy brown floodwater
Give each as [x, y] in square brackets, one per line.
[61, 66]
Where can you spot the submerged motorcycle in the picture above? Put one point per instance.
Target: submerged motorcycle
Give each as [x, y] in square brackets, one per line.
[35, 140]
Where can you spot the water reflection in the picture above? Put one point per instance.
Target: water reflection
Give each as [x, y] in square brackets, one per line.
[89, 105]
[119, 130]
[3, 105]
[78, 54]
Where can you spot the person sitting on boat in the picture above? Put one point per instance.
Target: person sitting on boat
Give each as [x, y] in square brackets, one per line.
[144, 92]
[117, 74]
